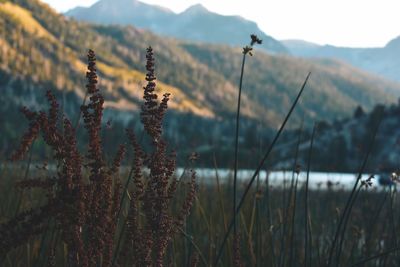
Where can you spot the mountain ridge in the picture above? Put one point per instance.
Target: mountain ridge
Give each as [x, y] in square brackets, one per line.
[379, 60]
[196, 23]
[202, 78]
[204, 75]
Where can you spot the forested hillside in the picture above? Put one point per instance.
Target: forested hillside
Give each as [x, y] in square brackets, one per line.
[41, 50]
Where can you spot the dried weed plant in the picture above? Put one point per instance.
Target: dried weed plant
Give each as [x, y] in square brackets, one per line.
[85, 210]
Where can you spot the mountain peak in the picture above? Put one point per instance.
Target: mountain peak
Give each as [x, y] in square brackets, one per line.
[196, 23]
[394, 43]
[123, 5]
[196, 9]
[130, 2]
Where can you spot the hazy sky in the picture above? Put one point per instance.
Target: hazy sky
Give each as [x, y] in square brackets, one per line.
[356, 23]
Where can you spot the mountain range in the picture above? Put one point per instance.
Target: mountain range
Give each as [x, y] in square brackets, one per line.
[41, 49]
[195, 23]
[382, 61]
[199, 24]
[202, 77]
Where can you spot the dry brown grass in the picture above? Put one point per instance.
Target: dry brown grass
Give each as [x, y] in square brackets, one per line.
[82, 212]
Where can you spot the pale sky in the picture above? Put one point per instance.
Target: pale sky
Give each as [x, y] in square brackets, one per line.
[353, 23]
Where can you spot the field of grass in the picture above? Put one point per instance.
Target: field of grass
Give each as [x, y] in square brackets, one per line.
[272, 226]
[80, 208]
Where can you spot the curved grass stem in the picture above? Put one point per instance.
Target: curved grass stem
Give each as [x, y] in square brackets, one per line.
[261, 164]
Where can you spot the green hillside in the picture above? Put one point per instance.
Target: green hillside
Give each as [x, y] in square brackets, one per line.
[40, 49]
[202, 77]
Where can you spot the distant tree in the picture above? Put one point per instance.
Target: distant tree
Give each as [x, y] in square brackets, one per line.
[359, 112]
[323, 126]
[338, 153]
[375, 116]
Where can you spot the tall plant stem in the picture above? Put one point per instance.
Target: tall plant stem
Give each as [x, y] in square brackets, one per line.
[306, 199]
[353, 192]
[293, 227]
[237, 146]
[261, 164]
[268, 208]
[80, 112]
[290, 199]
[26, 175]
[377, 256]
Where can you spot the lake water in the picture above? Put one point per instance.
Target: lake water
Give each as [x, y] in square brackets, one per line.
[317, 180]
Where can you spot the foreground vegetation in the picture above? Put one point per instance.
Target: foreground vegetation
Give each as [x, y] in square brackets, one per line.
[272, 227]
[80, 208]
